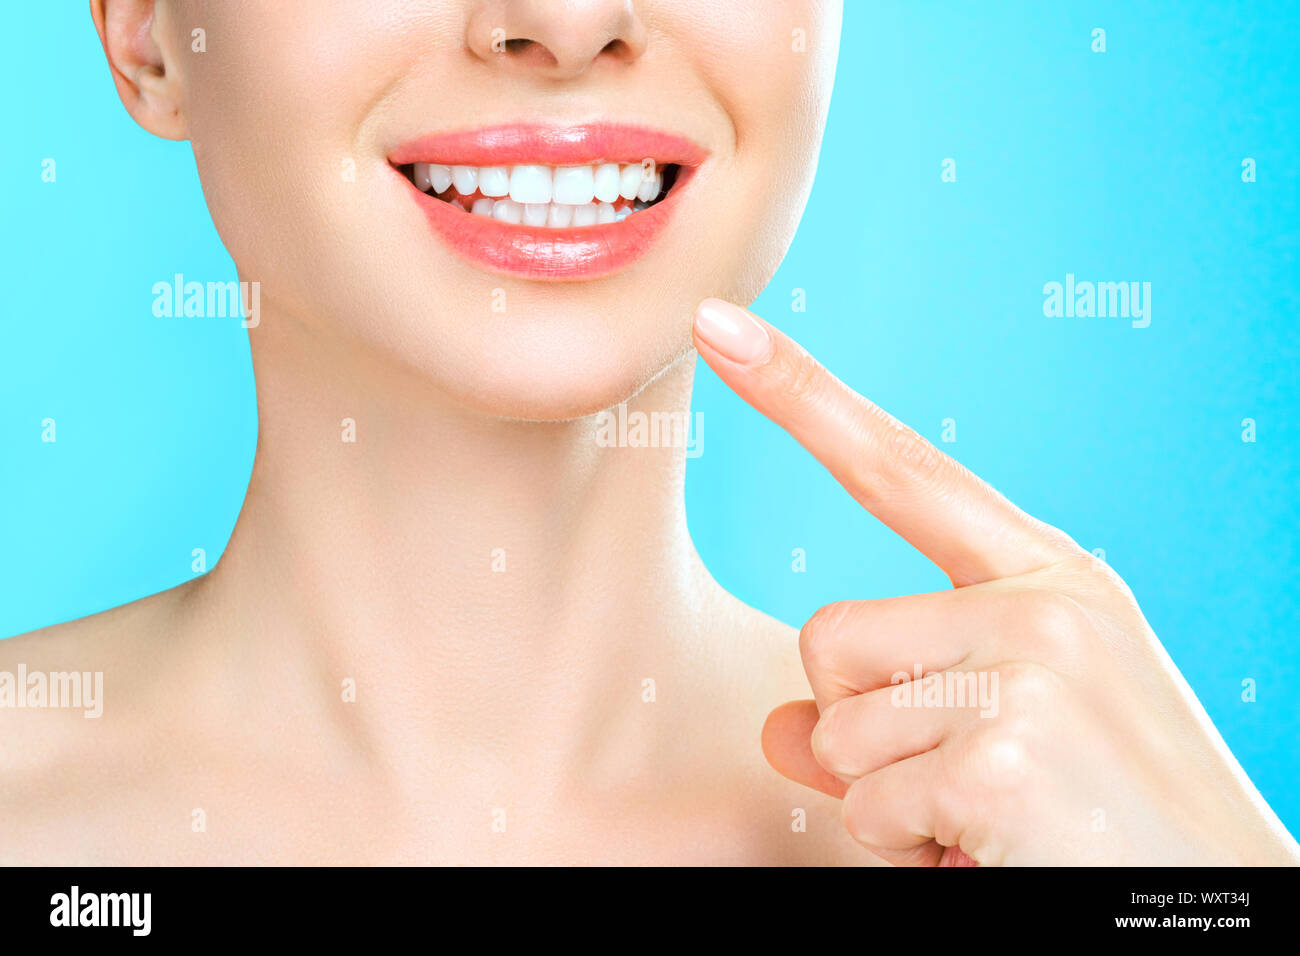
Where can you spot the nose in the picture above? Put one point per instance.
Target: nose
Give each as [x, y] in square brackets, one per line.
[556, 39]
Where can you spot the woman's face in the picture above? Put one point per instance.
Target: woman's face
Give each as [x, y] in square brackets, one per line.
[307, 118]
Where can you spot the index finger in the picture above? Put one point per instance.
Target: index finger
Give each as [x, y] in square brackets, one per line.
[954, 518]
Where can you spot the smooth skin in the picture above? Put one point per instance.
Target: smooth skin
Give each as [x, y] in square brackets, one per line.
[1099, 752]
[475, 636]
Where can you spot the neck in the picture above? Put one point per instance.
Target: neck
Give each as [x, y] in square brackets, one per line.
[462, 569]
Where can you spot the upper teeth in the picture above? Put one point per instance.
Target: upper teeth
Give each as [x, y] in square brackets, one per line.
[567, 185]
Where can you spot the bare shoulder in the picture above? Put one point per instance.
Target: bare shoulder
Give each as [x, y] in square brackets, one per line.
[146, 736]
[57, 674]
[77, 716]
[101, 636]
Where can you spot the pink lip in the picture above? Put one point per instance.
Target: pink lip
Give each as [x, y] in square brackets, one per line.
[586, 252]
[550, 146]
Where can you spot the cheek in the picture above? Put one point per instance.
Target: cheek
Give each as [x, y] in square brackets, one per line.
[303, 204]
[273, 109]
[774, 75]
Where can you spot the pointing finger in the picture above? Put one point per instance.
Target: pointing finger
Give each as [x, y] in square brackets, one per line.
[958, 521]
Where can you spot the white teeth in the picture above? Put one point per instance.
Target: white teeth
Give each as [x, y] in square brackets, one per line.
[507, 210]
[559, 216]
[649, 188]
[535, 195]
[606, 182]
[629, 181]
[439, 178]
[494, 180]
[571, 185]
[574, 185]
[554, 215]
[465, 179]
[530, 184]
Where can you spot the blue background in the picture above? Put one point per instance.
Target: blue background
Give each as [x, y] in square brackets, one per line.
[924, 295]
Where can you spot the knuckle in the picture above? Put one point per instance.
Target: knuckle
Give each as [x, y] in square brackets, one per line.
[1093, 573]
[1027, 689]
[1053, 617]
[1086, 563]
[895, 460]
[899, 462]
[819, 634]
[857, 813]
[1101, 586]
[1002, 758]
[857, 821]
[827, 733]
[803, 380]
[916, 455]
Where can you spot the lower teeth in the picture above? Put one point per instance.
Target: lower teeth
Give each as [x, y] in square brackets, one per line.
[551, 214]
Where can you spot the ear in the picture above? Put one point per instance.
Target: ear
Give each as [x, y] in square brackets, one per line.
[148, 84]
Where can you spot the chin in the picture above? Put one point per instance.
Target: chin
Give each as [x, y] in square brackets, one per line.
[572, 381]
[561, 370]
[557, 397]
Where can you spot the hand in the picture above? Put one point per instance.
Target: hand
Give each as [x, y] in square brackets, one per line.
[1052, 728]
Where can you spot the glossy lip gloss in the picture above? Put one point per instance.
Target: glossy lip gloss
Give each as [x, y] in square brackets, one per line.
[546, 253]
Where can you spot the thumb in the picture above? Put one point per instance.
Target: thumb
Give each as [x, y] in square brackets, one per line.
[787, 745]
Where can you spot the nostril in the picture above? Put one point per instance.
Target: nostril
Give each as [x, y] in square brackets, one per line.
[525, 50]
[560, 39]
[619, 50]
[537, 53]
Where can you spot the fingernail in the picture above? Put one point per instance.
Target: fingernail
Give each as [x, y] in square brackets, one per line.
[732, 331]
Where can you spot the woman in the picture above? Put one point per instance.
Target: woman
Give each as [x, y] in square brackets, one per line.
[451, 625]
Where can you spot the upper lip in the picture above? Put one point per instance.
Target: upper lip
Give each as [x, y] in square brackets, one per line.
[550, 145]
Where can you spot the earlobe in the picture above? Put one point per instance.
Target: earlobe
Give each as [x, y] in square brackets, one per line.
[146, 79]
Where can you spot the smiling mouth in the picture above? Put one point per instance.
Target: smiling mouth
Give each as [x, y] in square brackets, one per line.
[547, 197]
[550, 202]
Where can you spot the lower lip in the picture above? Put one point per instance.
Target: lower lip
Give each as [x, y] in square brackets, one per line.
[558, 255]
